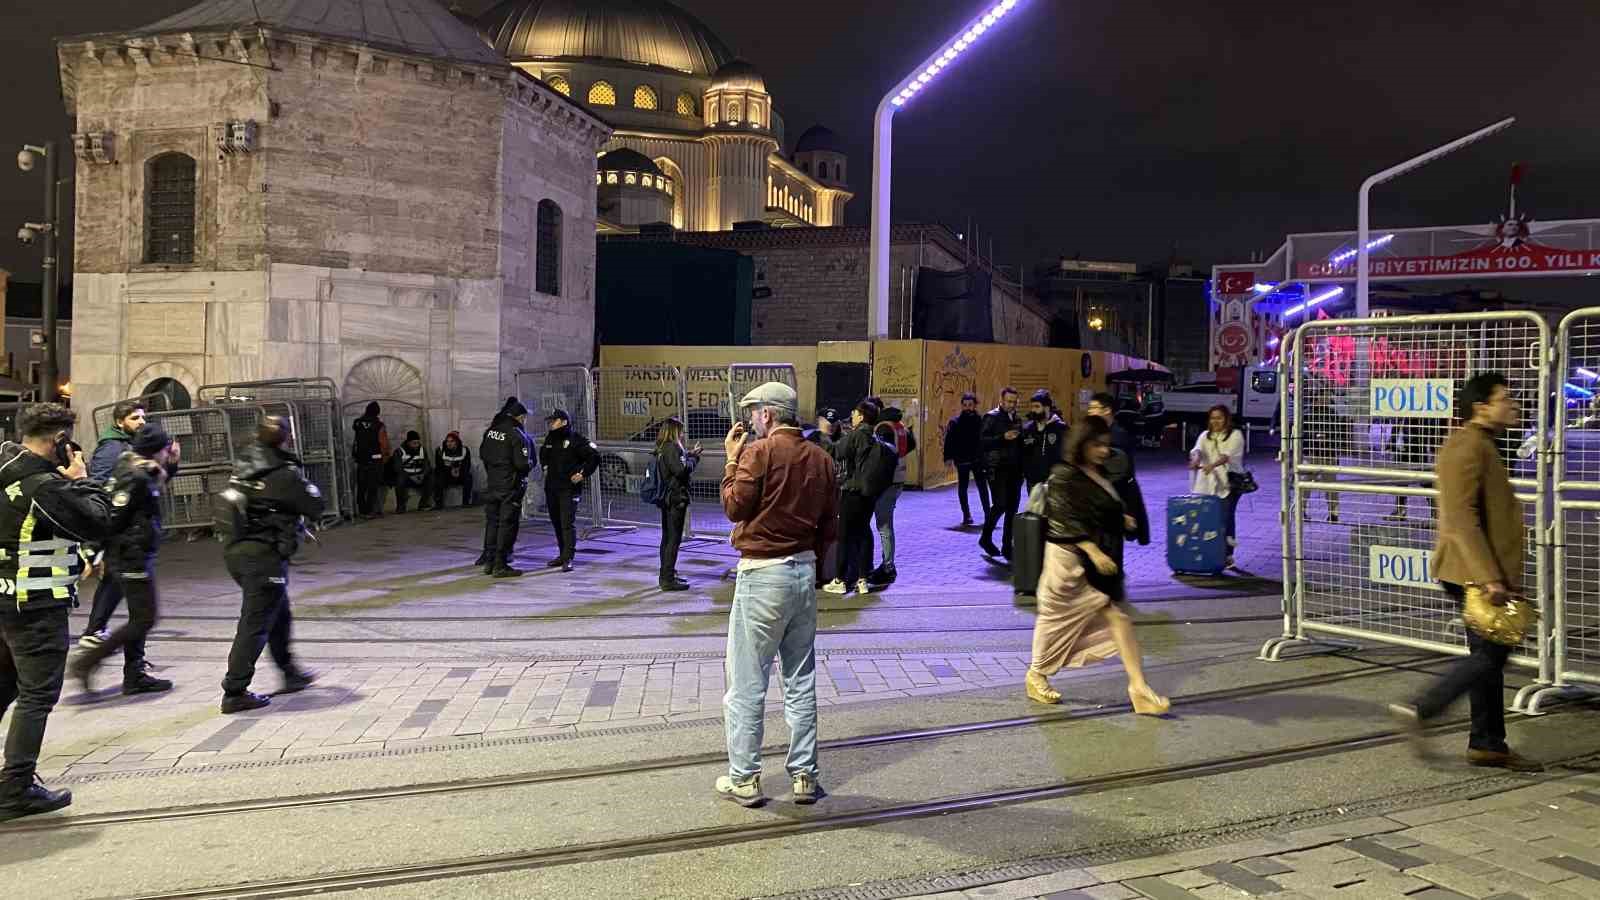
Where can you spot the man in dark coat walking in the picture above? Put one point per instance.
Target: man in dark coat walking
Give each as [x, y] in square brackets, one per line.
[962, 451]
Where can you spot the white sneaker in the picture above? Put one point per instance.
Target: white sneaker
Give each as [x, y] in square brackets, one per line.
[806, 789]
[746, 793]
[836, 587]
[93, 639]
[862, 587]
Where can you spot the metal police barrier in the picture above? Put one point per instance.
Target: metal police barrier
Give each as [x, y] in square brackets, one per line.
[318, 430]
[208, 438]
[632, 403]
[1575, 626]
[100, 417]
[1371, 401]
[542, 391]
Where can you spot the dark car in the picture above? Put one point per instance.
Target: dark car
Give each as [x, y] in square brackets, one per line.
[622, 467]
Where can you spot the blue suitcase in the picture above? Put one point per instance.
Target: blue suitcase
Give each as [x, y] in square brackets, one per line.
[1196, 544]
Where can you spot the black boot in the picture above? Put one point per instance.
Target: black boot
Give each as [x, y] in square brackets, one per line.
[491, 561]
[296, 680]
[242, 702]
[144, 684]
[672, 583]
[18, 799]
[505, 570]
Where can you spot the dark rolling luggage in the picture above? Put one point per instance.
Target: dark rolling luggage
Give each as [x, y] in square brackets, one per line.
[1027, 552]
[1195, 542]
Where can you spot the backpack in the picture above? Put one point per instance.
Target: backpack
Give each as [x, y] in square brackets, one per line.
[650, 490]
[877, 469]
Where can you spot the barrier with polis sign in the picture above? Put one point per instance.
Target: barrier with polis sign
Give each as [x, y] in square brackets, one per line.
[1368, 402]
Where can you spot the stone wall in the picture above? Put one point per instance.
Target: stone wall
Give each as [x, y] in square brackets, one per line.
[381, 233]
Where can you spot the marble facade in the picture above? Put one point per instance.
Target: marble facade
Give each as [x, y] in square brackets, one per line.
[380, 231]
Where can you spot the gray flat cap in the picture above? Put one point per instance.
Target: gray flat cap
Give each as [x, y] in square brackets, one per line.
[773, 393]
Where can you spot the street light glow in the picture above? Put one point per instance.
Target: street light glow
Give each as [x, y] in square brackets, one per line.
[956, 47]
[1371, 245]
[1321, 298]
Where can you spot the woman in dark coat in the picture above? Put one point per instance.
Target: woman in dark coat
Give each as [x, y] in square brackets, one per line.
[1082, 614]
[676, 466]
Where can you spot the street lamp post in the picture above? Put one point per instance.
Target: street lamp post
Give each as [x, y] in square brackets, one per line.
[1363, 206]
[46, 232]
[882, 154]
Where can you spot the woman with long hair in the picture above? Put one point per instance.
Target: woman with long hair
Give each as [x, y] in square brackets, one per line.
[1218, 464]
[1083, 615]
[675, 465]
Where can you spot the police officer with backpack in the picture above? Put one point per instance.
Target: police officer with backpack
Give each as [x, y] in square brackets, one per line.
[264, 509]
[667, 486]
[508, 456]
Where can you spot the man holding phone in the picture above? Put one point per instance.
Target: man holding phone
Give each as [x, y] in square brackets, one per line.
[50, 508]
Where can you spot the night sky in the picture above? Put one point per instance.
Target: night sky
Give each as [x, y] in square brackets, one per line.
[1112, 130]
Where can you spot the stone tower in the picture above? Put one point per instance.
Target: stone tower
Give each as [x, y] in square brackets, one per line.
[355, 189]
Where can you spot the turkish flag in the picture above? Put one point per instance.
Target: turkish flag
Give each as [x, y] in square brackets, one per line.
[1236, 282]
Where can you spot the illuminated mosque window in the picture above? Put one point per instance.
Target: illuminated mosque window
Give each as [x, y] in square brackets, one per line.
[755, 115]
[602, 94]
[560, 85]
[644, 97]
[686, 104]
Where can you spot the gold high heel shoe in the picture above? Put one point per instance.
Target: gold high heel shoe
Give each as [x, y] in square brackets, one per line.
[1039, 689]
[1147, 702]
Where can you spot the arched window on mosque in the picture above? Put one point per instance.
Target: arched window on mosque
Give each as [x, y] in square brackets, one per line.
[169, 217]
[805, 167]
[755, 115]
[560, 85]
[601, 93]
[547, 250]
[686, 105]
[644, 97]
[822, 170]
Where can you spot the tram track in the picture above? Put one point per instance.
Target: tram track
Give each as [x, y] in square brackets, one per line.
[769, 829]
[578, 774]
[717, 613]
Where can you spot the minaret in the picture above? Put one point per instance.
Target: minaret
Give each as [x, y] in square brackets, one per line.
[738, 117]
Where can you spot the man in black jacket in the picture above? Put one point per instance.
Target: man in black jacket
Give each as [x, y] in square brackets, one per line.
[1119, 467]
[136, 485]
[49, 509]
[368, 451]
[508, 458]
[568, 459]
[412, 474]
[1042, 438]
[452, 466]
[1000, 439]
[962, 451]
[856, 502]
[266, 503]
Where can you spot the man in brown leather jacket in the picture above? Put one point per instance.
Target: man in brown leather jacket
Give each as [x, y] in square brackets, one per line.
[779, 492]
[1480, 544]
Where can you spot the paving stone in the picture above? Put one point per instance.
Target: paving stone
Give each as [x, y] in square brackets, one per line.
[1455, 880]
[1393, 858]
[1241, 878]
[1577, 866]
[1263, 866]
[1065, 880]
[1158, 889]
[1194, 878]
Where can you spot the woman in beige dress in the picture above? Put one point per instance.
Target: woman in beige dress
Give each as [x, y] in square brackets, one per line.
[1082, 611]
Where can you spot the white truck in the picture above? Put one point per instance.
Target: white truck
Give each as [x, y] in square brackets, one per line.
[1254, 402]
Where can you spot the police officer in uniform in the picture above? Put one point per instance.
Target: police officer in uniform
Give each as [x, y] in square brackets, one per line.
[136, 485]
[369, 450]
[1042, 437]
[411, 475]
[508, 456]
[569, 459]
[1000, 439]
[265, 504]
[48, 509]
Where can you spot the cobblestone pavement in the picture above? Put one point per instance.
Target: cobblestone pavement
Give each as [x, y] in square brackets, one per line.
[1534, 843]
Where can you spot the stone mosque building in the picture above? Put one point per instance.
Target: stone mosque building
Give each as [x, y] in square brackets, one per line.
[394, 195]
[699, 142]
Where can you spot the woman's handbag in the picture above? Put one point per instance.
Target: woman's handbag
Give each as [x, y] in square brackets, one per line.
[1507, 624]
[1243, 482]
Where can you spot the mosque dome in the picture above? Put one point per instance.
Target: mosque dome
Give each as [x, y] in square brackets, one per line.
[625, 160]
[650, 33]
[819, 139]
[739, 75]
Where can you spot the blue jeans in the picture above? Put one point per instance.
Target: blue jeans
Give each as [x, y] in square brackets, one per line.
[774, 612]
[883, 513]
